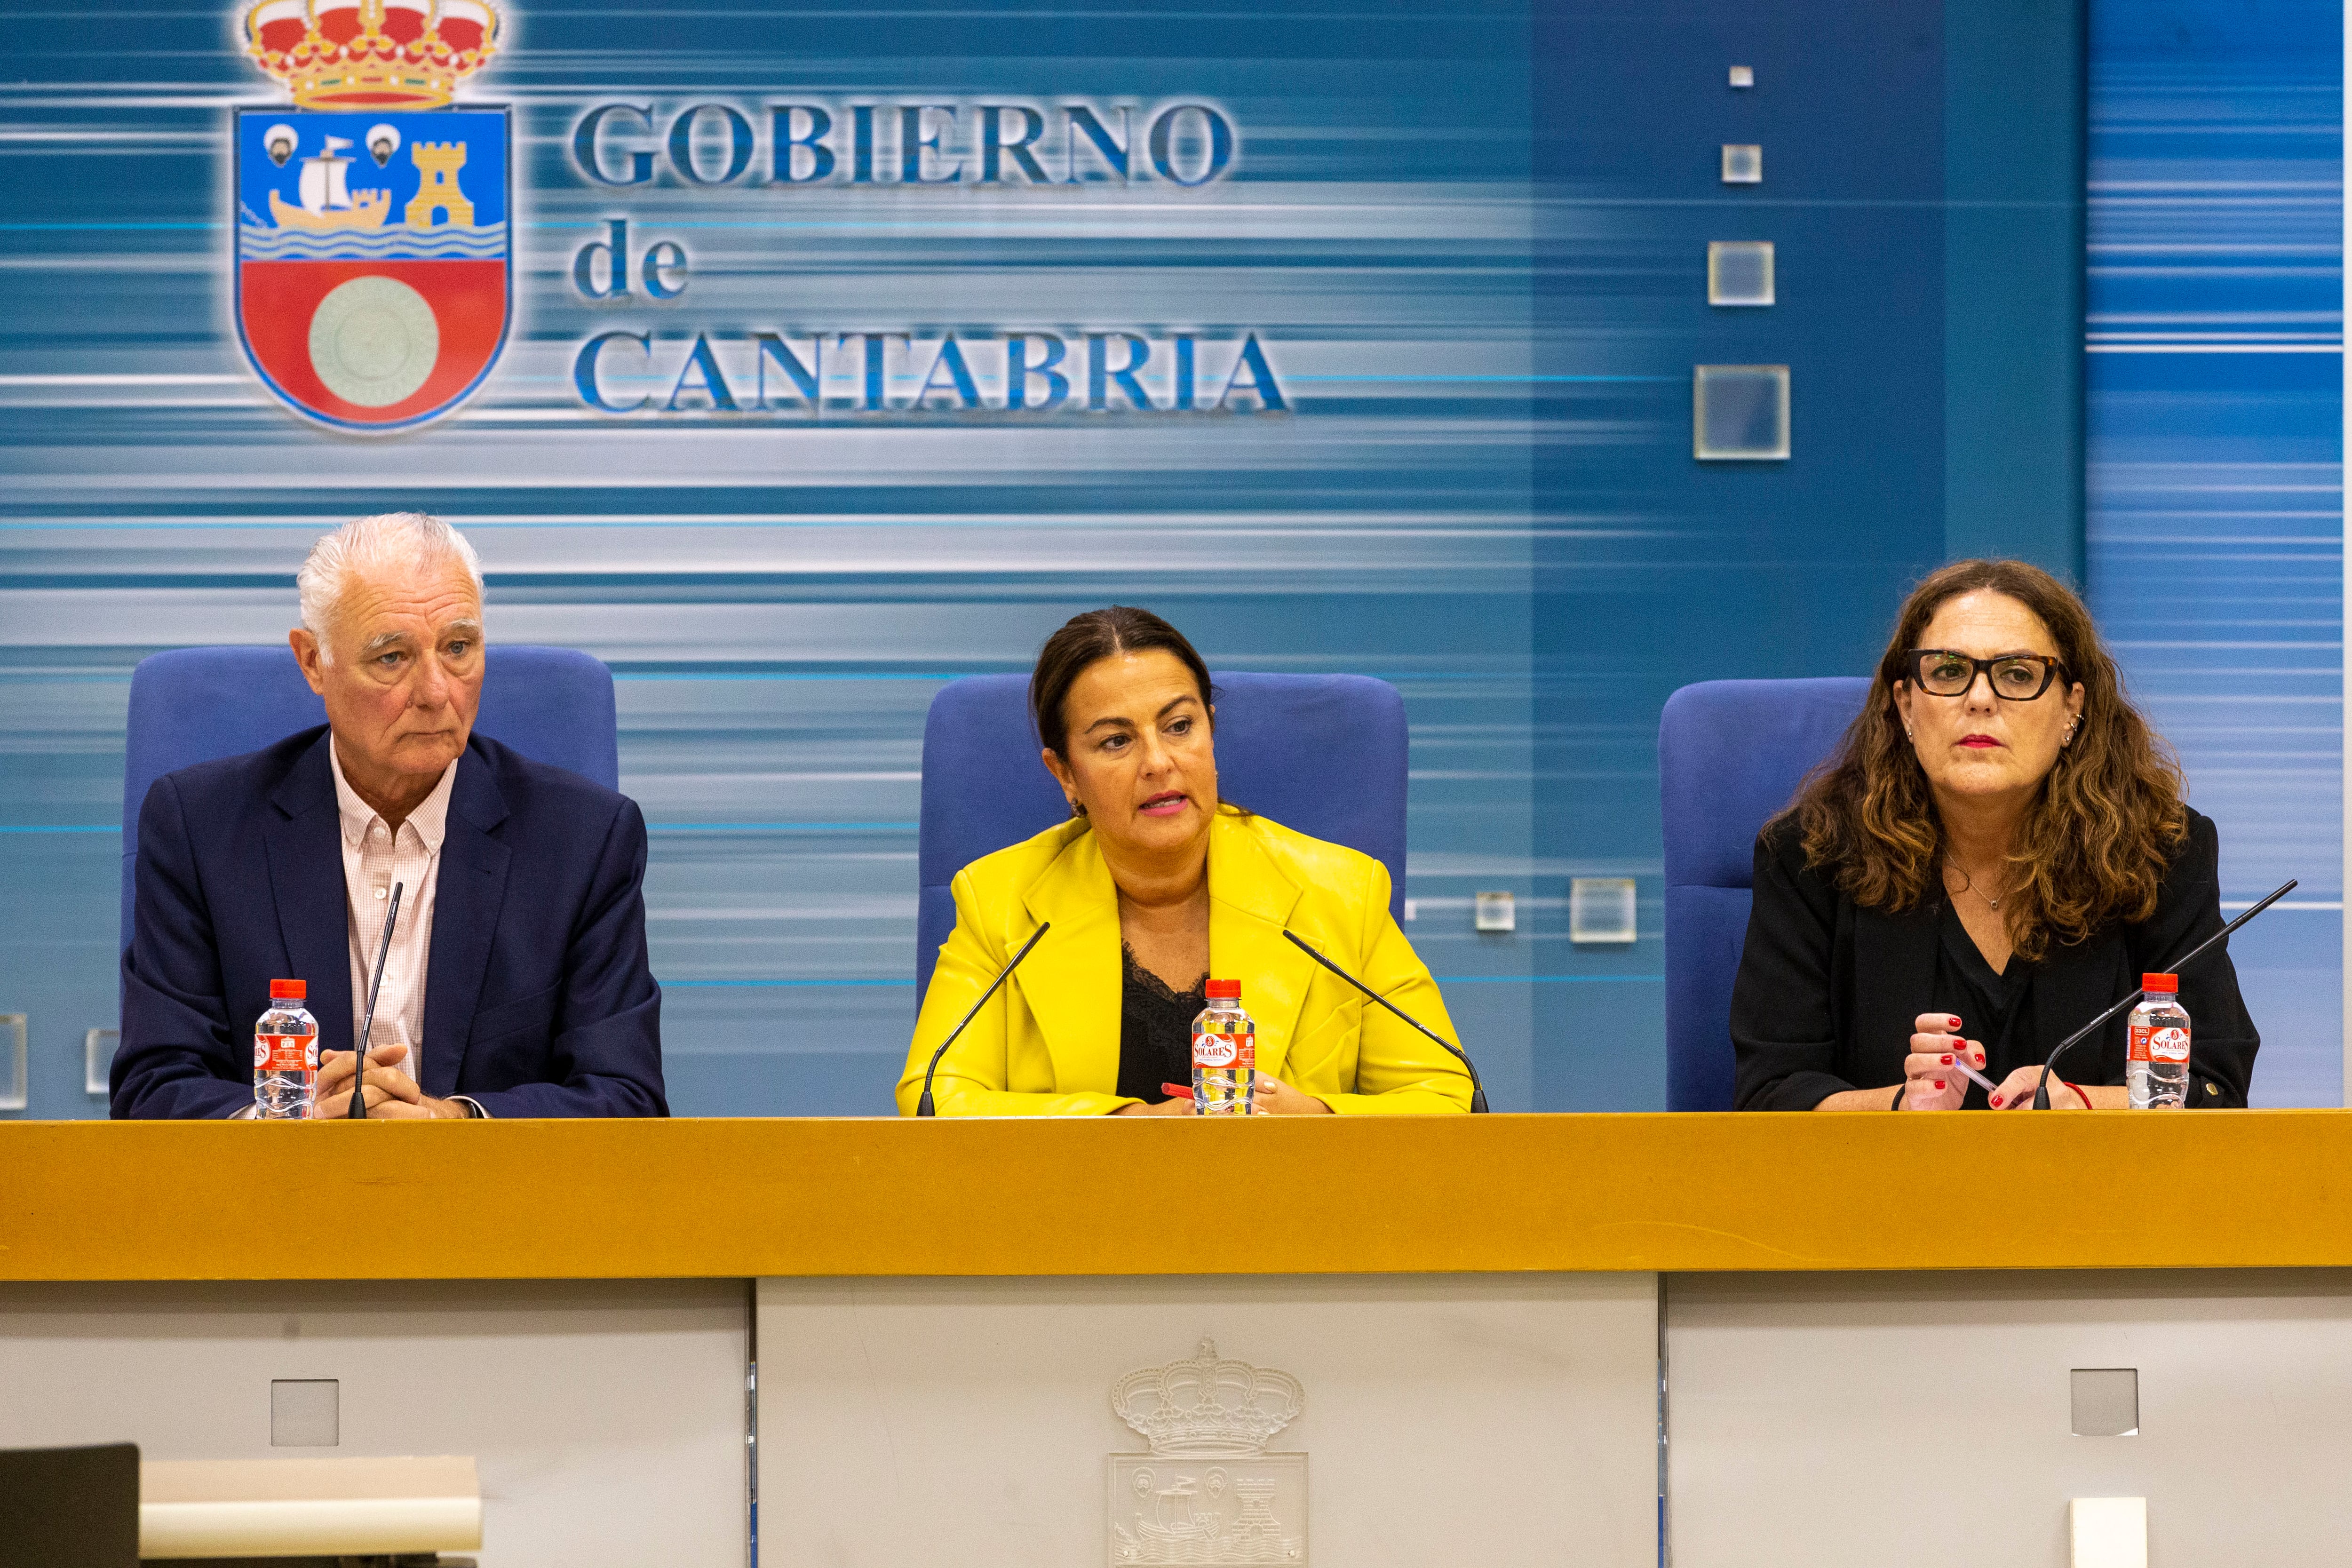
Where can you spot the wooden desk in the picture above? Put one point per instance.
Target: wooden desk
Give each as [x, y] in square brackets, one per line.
[1475, 1305]
[745, 1199]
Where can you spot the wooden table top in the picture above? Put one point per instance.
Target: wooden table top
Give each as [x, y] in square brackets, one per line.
[543, 1200]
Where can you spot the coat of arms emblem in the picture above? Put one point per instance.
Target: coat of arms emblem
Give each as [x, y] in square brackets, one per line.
[1208, 1492]
[373, 221]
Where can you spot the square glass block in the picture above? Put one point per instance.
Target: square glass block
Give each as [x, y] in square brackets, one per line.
[306, 1413]
[1743, 75]
[1739, 411]
[1738, 271]
[1601, 910]
[97, 1047]
[12, 1062]
[1495, 911]
[2105, 1401]
[1743, 163]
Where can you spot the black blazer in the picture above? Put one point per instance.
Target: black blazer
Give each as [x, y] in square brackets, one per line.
[1828, 994]
[538, 999]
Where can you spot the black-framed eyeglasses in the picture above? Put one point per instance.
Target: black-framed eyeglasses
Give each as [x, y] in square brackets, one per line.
[2013, 677]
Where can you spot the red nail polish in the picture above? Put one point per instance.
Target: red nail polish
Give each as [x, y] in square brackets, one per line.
[1996, 1100]
[1956, 1022]
[1940, 1083]
[1948, 1061]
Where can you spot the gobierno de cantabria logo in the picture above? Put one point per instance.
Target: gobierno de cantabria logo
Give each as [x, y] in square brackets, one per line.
[374, 220]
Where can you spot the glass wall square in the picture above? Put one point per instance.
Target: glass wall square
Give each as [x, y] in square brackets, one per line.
[1738, 271]
[1601, 910]
[1742, 164]
[1743, 75]
[1739, 411]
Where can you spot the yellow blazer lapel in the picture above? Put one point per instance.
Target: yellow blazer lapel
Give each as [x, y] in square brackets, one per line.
[1071, 983]
[1250, 901]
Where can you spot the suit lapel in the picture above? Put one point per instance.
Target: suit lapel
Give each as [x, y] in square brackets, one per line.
[1071, 983]
[1895, 974]
[304, 840]
[467, 901]
[2074, 986]
[1250, 903]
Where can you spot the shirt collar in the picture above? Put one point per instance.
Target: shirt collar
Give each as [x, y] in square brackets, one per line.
[431, 818]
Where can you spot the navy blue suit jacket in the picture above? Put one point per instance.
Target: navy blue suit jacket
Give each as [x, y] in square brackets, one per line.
[538, 1000]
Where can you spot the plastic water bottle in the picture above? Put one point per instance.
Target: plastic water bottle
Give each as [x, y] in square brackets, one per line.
[2157, 1068]
[285, 1054]
[1224, 1055]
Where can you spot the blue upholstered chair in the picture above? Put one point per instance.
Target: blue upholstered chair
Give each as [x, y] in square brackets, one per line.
[1322, 753]
[1730, 753]
[193, 704]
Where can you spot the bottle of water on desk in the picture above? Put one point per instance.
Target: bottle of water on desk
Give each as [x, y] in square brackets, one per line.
[2157, 1069]
[285, 1054]
[1224, 1055]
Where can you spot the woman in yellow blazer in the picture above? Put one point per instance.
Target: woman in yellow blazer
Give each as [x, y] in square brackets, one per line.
[1151, 886]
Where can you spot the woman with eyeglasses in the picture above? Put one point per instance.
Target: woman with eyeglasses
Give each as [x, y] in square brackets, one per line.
[1996, 852]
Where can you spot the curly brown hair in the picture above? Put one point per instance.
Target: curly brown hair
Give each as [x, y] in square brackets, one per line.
[2093, 846]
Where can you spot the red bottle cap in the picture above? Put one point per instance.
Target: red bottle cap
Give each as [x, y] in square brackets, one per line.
[287, 991]
[2166, 984]
[1224, 990]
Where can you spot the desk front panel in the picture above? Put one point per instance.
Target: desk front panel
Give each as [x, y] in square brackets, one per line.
[607, 1418]
[1857, 1420]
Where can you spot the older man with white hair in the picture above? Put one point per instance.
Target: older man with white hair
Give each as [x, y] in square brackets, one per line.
[516, 983]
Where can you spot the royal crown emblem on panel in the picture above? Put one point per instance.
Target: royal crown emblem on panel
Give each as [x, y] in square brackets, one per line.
[1208, 1492]
[373, 218]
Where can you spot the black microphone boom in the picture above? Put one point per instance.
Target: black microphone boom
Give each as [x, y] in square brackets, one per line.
[2041, 1086]
[923, 1107]
[357, 1110]
[1478, 1089]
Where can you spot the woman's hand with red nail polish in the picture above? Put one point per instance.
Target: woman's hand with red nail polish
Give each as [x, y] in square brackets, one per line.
[1927, 1084]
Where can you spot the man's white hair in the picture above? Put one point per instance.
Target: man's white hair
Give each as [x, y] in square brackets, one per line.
[409, 539]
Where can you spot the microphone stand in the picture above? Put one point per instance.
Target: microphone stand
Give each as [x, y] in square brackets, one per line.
[1478, 1089]
[2041, 1086]
[923, 1107]
[357, 1111]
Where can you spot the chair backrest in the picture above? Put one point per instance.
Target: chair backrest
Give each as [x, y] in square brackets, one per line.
[193, 705]
[1730, 753]
[70, 1507]
[1321, 754]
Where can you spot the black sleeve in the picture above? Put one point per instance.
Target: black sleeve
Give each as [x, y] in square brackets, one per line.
[605, 1059]
[1783, 1021]
[178, 1057]
[2222, 1041]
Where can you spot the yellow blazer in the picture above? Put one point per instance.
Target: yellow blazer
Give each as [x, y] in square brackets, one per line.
[1047, 1043]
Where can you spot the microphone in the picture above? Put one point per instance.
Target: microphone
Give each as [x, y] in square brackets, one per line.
[1478, 1089]
[2041, 1087]
[923, 1107]
[358, 1109]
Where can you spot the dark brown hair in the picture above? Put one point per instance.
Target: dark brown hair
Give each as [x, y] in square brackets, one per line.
[1085, 640]
[2094, 844]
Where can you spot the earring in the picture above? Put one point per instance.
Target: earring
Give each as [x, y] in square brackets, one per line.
[1077, 808]
[1908, 734]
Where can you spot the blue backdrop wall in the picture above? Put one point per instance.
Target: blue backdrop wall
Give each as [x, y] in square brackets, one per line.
[1468, 243]
[2216, 460]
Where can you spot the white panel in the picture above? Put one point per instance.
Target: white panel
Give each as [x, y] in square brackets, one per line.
[2107, 1532]
[607, 1417]
[1479, 1420]
[1815, 1421]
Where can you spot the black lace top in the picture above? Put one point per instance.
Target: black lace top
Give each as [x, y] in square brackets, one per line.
[1155, 1029]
